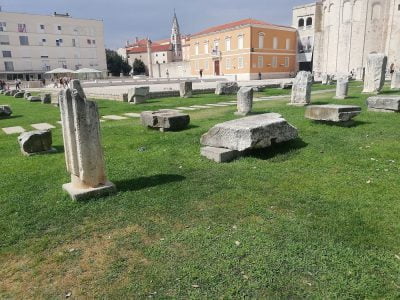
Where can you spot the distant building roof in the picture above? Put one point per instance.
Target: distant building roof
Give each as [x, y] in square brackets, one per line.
[239, 23]
[143, 49]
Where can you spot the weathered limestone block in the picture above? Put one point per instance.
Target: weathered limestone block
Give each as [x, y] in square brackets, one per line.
[186, 89]
[325, 79]
[82, 143]
[226, 88]
[395, 81]
[36, 142]
[45, 98]
[13, 92]
[254, 132]
[301, 90]
[244, 101]
[19, 95]
[165, 120]
[332, 113]
[34, 99]
[384, 103]
[219, 155]
[375, 73]
[5, 111]
[27, 95]
[342, 87]
[138, 95]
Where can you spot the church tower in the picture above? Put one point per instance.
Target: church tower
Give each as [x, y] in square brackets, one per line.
[176, 41]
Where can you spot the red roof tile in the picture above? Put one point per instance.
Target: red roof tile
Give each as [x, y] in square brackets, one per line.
[235, 24]
[154, 48]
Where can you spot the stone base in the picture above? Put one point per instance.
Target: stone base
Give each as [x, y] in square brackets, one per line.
[52, 150]
[298, 104]
[236, 113]
[82, 194]
[340, 98]
[381, 110]
[219, 155]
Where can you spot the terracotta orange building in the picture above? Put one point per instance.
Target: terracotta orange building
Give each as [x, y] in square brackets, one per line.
[246, 49]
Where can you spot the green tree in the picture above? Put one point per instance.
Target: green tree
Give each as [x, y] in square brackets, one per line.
[138, 67]
[116, 64]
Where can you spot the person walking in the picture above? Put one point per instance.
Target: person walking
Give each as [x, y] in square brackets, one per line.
[201, 73]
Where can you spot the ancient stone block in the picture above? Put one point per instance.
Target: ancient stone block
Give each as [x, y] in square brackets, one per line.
[395, 85]
[13, 92]
[226, 88]
[254, 132]
[36, 142]
[244, 101]
[137, 95]
[5, 111]
[342, 87]
[165, 120]
[219, 155]
[301, 90]
[82, 143]
[19, 95]
[186, 89]
[286, 85]
[27, 95]
[375, 73]
[45, 98]
[384, 103]
[34, 99]
[332, 113]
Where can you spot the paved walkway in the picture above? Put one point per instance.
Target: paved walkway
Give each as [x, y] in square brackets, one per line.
[44, 126]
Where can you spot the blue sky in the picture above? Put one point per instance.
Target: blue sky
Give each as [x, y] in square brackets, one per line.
[126, 19]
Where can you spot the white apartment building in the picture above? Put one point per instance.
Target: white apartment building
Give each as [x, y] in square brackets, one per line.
[31, 45]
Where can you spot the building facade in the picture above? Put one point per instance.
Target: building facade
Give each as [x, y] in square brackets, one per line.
[351, 29]
[34, 44]
[246, 49]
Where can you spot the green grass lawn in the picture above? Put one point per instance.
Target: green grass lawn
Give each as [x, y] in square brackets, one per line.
[314, 218]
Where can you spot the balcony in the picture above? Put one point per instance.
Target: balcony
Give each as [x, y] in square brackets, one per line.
[215, 53]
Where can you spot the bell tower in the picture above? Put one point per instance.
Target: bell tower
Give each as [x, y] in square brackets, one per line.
[176, 41]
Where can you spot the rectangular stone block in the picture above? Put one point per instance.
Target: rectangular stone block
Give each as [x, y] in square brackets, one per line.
[219, 155]
[332, 112]
[384, 103]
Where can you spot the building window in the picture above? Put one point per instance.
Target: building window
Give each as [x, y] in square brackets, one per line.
[196, 49]
[45, 65]
[240, 42]
[89, 42]
[398, 7]
[261, 40]
[24, 41]
[274, 61]
[9, 65]
[309, 21]
[44, 56]
[59, 28]
[288, 44]
[6, 53]
[163, 62]
[287, 61]
[3, 26]
[206, 47]
[260, 62]
[228, 63]
[240, 62]
[73, 43]
[21, 27]
[301, 23]
[275, 43]
[4, 40]
[216, 46]
[41, 27]
[228, 44]
[59, 42]
[196, 65]
[93, 42]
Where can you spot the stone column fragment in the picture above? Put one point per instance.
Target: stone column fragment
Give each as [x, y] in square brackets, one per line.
[375, 73]
[342, 87]
[301, 90]
[395, 81]
[186, 89]
[82, 143]
[244, 101]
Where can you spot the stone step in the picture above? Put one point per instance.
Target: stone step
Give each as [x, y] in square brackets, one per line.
[42, 126]
[13, 130]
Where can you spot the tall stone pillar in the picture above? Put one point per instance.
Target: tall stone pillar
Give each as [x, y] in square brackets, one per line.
[301, 90]
[82, 144]
[149, 58]
[375, 72]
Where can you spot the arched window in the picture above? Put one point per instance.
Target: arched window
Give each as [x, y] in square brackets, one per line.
[301, 23]
[261, 40]
[240, 41]
[309, 21]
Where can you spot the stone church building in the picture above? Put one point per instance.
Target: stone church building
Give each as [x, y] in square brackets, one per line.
[338, 35]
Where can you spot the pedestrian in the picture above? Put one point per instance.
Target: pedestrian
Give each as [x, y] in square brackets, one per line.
[17, 84]
[201, 73]
[167, 73]
[259, 75]
[391, 69]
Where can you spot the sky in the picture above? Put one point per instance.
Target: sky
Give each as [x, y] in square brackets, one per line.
[126, 19]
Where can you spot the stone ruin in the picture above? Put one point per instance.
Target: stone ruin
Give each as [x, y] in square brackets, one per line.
[36, 142]
[395, 84]
[165, 120]
[384, 104]
[229, 140]
[137, 95]
[342, 87]
[186, 89]
[5, 111]
[326, 79]
[332, 113]
[227, 88]
[82, 143]
[244, 101]
[375, 73]
[301, 90]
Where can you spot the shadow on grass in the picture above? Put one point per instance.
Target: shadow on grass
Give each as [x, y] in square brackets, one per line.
[350, 124]
[140, 183]
[10, 117]
[286, 149]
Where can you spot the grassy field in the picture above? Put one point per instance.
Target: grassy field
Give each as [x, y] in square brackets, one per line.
[314, 218]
